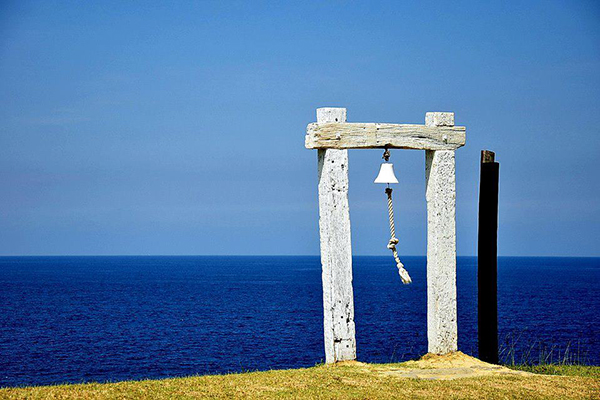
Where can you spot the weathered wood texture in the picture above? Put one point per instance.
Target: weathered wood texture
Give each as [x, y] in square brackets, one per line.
[336, 247]
[487, 156]
[442, 332]
[439, 119]
[373, 135]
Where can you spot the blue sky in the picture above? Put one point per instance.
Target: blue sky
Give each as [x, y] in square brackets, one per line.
[178, 127]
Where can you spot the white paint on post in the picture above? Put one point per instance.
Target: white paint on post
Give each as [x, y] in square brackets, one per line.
[336, 247]
[442, 329]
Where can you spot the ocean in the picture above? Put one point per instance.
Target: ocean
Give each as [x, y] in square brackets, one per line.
[82, 319]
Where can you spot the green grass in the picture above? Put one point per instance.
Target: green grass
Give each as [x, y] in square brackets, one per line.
[560, 369]
[354, 381]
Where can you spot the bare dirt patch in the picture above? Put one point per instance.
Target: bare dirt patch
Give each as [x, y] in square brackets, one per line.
[446, 367]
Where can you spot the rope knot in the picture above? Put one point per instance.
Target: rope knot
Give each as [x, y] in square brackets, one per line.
[394, 240]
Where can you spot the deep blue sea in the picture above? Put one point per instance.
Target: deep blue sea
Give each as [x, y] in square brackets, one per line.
[75, 319]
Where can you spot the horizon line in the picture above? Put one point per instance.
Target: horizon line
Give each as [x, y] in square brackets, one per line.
[265, 255]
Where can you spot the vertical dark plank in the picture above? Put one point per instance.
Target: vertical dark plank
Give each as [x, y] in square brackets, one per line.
[487, 259]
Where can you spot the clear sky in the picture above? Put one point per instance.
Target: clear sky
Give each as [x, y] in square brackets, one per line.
[178, 127]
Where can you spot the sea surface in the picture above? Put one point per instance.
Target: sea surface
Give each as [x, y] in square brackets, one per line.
[81, 319]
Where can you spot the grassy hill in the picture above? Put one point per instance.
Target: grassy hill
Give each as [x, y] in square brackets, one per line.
[342, 381]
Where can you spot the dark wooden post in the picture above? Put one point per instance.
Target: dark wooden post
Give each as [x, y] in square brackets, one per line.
[487, 259]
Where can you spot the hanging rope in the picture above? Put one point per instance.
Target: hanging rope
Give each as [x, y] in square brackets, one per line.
[394, 241]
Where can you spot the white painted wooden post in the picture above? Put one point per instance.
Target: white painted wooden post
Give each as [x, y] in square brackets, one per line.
[336, 247]
[442, 334]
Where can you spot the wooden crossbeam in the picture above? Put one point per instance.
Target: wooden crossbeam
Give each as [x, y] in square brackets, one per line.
[375, 136]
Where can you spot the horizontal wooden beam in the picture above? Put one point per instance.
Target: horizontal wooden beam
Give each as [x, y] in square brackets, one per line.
[376, 136]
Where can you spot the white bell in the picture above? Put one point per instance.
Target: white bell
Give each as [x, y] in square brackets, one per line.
[386, 174]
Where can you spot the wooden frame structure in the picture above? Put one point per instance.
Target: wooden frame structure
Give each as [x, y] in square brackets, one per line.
[333, 136]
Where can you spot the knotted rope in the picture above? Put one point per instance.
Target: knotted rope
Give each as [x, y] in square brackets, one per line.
[394, 241]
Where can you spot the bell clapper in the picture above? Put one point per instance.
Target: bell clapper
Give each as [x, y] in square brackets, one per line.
[386, 175]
